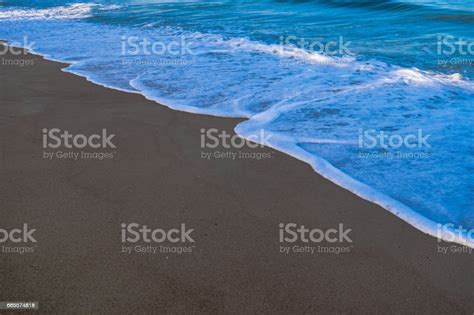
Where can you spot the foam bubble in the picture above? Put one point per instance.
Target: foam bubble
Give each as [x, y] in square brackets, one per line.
[69, 12]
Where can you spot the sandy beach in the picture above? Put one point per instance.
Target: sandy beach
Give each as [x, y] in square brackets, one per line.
[159, 175]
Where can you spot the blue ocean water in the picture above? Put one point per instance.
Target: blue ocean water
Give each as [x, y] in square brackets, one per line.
[376, 95]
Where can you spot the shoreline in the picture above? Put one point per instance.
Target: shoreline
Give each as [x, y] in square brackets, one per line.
[158, 177]
[320, 166]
